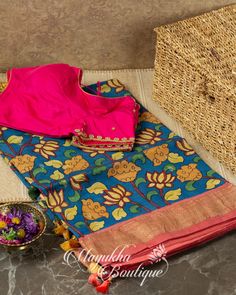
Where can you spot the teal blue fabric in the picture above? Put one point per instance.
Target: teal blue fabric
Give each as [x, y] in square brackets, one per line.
[111, 187]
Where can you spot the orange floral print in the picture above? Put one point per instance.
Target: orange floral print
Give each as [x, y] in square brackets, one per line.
[157, 154]
[124, 171]
[93, 210]
[23, 163]
[75, 164]
[188, 173]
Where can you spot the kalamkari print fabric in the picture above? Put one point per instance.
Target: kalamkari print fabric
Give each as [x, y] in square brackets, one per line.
[160, 192]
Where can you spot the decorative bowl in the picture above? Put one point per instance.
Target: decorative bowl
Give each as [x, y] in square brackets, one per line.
[25, 208]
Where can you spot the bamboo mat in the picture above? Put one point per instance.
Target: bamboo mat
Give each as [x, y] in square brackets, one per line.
[139, 83]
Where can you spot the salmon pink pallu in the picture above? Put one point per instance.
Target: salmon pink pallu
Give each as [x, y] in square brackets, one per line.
[161, 192]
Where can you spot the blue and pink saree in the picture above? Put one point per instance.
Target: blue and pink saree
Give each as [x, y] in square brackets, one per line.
[161, 192]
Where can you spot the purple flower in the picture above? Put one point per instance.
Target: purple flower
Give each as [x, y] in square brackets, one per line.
[4, 222]
[22, 224]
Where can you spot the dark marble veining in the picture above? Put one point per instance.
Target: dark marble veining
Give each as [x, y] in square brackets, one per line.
[209, 269]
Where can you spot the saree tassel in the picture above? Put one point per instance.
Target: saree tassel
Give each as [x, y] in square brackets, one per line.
[104, 287]
[94, 280]
[70, 244]
[61, 230]
[94, 267]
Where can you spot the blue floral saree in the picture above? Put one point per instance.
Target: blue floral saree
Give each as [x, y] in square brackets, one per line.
[161, 192]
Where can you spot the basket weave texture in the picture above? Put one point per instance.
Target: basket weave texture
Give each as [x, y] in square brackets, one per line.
[195, 78]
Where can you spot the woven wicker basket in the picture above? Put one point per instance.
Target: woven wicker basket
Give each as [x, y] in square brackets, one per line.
[195, 78]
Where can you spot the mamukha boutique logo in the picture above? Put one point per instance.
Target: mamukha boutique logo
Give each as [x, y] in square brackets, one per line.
[156, 256]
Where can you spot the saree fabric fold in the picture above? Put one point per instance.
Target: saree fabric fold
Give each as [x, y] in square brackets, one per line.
[161, 192]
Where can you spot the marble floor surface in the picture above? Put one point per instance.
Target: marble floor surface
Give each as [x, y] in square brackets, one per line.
[208, 269]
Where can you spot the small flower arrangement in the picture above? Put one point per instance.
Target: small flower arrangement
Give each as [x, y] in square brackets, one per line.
[17, 227]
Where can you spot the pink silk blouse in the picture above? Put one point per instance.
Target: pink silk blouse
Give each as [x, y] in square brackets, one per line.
[49, 100]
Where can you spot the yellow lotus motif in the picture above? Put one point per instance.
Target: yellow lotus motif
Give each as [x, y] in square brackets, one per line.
[148, 117]
[114, 83]
[189, 173]
[55, 201]
[23, 163]
[93, 210]
[148, 136]
[74, 164]
[124, 171]
[185, 147]
[46, 148]
[117, 195]
[160, 180]
[157, 154]
[77, 180]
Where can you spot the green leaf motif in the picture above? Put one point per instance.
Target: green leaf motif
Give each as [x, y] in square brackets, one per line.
[139, 180]
[98, 170]
[99, 161]
[75, 197]
[69, 153]
[43, 204]
[196, 159]
[134, 209]
[151, 194]
[139, 157]
[158, 127]
[169, 167]
[39, 170]
[138, 149]
[79, 224]
[189, 186]
[210, 173]
[63, 182]
[42, 181]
